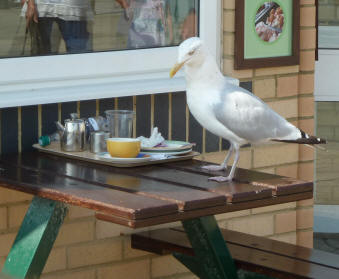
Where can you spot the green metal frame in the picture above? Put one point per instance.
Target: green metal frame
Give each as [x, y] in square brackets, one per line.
[44, 218]
[35, 238]
[212, 259]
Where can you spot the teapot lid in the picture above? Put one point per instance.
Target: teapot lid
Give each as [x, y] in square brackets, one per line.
[74, 120]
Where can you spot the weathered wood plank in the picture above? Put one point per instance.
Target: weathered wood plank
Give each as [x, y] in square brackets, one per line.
[158, 178]
[280, 185]
[183, 215]
[234, 191]
[246, 256]
[124, 180]
[161, 113]
[29, 127]
[282, 248]
[9, 130]
[195, 166]
[143, 117]
[83, 194]
[138, 197]
[49, 116]
[178, 116]
[284, 185]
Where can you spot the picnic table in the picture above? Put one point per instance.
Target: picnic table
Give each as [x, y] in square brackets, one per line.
[135, 197]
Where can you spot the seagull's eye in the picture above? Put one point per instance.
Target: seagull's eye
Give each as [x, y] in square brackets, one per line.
[191, 52]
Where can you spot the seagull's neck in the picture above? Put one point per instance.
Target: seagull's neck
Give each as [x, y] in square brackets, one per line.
[207, 70]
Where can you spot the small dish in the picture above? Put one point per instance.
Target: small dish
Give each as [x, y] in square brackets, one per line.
[141, 158]
[171, 153]
[171, 146]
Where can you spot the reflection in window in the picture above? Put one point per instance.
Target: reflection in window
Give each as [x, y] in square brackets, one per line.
[328, 21]
[40, 27]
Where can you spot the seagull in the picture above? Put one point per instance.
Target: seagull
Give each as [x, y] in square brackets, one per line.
[227, 110]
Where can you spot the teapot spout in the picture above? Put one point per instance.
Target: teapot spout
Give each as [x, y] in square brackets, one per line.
[60, 127]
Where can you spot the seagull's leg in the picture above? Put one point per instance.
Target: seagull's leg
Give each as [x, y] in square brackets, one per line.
[223, 165]
[234, 166]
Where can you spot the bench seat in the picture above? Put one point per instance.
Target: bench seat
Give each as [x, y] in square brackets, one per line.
[251, 253]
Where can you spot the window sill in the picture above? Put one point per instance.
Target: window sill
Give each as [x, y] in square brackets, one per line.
[87, 89]
[64, 78]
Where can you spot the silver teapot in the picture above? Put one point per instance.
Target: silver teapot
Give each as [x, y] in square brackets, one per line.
[73, 134]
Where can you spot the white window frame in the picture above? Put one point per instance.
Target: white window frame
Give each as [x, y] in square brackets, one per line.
[62, 78]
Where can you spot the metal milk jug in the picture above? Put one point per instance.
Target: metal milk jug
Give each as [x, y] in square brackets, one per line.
[72, 135]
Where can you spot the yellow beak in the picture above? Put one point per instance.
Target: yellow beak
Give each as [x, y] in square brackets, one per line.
[176, 68]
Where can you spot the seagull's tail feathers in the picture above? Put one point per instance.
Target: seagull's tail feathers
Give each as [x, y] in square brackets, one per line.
[303, 138]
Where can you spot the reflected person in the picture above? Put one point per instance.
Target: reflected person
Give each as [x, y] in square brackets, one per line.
[150, 22]
[71, 16]
[184, 17]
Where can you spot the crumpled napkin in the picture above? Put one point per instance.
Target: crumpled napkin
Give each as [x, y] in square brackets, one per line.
[155, 139]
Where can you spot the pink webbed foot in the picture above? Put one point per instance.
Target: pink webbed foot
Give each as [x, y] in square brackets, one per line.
[221, 178]
[213, 168]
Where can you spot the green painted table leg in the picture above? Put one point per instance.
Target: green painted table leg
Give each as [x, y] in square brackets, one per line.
[244, 274]
[191, 263]
[35, 238]
[213, 260]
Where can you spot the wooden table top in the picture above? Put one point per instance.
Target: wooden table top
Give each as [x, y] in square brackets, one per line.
[149, 195]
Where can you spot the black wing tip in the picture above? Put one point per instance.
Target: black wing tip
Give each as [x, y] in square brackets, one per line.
[322, 141]
[312, 139]
[305, 139]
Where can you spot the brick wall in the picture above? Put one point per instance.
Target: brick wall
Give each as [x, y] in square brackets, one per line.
[288, 90]
[90, 249]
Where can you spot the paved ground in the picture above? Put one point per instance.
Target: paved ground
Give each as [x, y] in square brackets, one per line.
[326, 242]
[326, 209]
[327, 174]
[326, 215]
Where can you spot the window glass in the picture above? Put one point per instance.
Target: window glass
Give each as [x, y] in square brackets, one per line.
[328, 20]
[40, 27]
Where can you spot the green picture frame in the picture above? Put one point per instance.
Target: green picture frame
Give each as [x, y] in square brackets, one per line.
[267, 33]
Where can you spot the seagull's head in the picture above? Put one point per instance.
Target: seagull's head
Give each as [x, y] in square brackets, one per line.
[191, 52]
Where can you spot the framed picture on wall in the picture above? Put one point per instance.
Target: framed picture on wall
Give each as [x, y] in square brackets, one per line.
[267, 33]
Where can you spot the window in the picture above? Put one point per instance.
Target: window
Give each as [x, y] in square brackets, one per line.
[42, 27]
[110, 65]
[326, 78]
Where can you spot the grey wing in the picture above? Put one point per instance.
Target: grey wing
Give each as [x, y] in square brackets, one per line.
[250, 118]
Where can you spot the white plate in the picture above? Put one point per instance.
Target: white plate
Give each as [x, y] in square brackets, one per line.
[170, 153]
[107, 157]
[172, 146]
